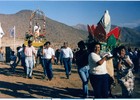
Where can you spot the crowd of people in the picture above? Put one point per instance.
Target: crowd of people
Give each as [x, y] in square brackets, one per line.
[91, 65]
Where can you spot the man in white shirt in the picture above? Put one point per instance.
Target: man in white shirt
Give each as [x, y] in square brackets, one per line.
[48, 54]
[29, 53]
[67, 55]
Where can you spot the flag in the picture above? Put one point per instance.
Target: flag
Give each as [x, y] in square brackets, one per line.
[12, 32]
[1, 31]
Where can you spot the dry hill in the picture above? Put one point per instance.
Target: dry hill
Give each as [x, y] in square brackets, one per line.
[56, 32]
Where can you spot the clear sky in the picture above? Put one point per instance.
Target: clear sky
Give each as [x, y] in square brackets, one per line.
[124, 13]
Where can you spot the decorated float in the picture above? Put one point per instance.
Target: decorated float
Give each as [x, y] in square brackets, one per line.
[102, 32]
[109, 38]
[37, 28]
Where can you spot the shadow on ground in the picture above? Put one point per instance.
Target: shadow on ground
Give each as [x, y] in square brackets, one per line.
[23, 90]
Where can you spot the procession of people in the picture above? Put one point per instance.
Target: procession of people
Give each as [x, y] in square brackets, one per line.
[91, 66]
[97, 66]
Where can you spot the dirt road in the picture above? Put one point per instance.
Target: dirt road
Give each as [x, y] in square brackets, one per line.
[17, 86]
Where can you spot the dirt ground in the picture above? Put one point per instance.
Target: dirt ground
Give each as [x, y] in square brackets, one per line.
[17, 86]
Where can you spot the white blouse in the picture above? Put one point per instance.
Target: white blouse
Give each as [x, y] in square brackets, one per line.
[96, 69]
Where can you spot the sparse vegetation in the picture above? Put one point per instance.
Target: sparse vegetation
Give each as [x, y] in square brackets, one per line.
[56, 32]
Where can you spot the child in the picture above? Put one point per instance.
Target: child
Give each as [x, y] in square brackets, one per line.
[13, 59]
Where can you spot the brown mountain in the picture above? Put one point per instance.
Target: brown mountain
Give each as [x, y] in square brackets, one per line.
[56, 32]
[81, 27]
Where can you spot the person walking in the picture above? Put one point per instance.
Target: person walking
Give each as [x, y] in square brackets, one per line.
[13, 59]
[1, 55]
[61, 59]
[124, 72]
[18, 55]
[57, 55]
[67, 55]
[81, 57]
[48, 54]
[99, 77]
[29, 52]
[22, 56]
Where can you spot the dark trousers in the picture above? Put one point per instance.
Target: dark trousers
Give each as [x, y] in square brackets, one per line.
[61, 61]
[100, 85]
[23, 64]
[48, 68]
[43, 66]
[13, 67]
[19, 58]
[67, 65]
